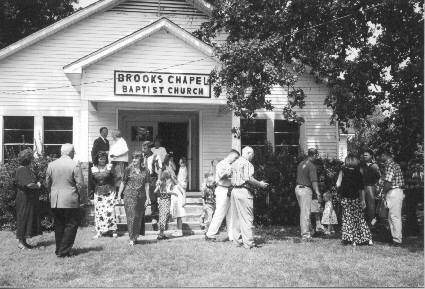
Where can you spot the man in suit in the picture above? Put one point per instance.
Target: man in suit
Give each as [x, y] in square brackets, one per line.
[100, 144]
[64, 179]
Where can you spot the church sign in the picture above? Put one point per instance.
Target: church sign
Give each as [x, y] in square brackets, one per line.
[139, 83]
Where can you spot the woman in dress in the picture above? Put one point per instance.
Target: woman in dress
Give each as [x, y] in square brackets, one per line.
[134, 185]
[350, 184]
[178, 201]
[27, 202]
[104, 196]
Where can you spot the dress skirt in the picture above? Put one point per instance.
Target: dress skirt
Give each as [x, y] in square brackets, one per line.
[104, 212]
[164, 212]
[329, 215]
[27, 215]
[177, 209]
[354, 227]
[27, 205]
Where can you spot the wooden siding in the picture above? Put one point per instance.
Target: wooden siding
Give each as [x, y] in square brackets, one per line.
[162, 52]
[163, 7]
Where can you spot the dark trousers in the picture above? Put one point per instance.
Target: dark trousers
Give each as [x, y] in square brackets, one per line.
[154, 198]
[66, 225]
[370, 192]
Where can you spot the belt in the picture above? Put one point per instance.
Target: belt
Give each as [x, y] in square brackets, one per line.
[240, 187]
[302, 186]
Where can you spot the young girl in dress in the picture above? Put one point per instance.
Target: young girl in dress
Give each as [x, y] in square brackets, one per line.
[178, 200]
[165, 189]
[329, 216]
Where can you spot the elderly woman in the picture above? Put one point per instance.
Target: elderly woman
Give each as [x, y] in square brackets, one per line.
[134, 185]
[27, 203]
[104, 196]
[118, 155]
[355, 231]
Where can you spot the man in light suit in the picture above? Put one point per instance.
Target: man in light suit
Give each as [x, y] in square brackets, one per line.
[64, 179]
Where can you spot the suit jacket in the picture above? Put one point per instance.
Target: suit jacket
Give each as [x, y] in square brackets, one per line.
[64, 178]
[99, 145]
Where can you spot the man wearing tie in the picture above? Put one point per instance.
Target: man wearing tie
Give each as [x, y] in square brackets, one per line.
[100, 144]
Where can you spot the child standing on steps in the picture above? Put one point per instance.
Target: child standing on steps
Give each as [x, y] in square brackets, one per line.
[178, 200]
[164, 188]
[329, 216]
[208, 200]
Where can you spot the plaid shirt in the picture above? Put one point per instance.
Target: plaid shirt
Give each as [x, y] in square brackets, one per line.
[242, 171]
[393, 174]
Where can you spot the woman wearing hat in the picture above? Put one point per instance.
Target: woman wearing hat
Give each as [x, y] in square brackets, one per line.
[104, 196]
[27, 203]
[134, 186]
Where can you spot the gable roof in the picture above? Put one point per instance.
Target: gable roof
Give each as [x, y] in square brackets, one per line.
[77, 66]
[96, 7]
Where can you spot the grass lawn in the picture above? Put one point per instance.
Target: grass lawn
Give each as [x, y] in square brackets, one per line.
[191, 261]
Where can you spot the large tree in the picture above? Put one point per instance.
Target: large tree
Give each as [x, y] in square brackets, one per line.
[369, 53]
[20, 18]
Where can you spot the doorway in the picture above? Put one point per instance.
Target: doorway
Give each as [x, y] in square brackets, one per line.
[175, 139]
[179, 131]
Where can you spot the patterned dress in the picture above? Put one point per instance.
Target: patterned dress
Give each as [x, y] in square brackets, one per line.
[164, 203]
[354, 227]
[27, 205]
[104, 199]
[134, 200]
[329, 215]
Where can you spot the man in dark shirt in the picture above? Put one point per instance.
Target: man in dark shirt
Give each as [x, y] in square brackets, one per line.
[100, 144]
[307, 181]
[370, 173]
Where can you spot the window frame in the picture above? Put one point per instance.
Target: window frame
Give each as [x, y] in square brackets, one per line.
[10, 144]
[56, 130]
[254, 132]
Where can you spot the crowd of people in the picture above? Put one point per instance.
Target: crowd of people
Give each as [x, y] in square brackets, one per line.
[150, 178]
[358, 187]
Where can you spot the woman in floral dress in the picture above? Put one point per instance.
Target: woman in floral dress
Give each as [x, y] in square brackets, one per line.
[104, 196]
[135, 184]
[350, 184]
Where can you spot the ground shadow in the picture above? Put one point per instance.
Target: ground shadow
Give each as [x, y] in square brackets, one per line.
[146, 242]
[79, 251]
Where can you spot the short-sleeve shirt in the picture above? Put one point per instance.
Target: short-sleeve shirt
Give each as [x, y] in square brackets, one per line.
[242, 171]
[223, 171]
[161, 152]
[135, 182]
[393, 174]
[306, 173]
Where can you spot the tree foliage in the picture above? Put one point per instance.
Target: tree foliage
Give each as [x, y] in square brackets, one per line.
[20, 18]
[369, 53]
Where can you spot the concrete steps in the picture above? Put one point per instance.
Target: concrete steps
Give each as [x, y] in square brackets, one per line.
[190, 221]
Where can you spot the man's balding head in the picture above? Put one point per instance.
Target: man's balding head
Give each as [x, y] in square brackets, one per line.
[248, 153]
[67, 150]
